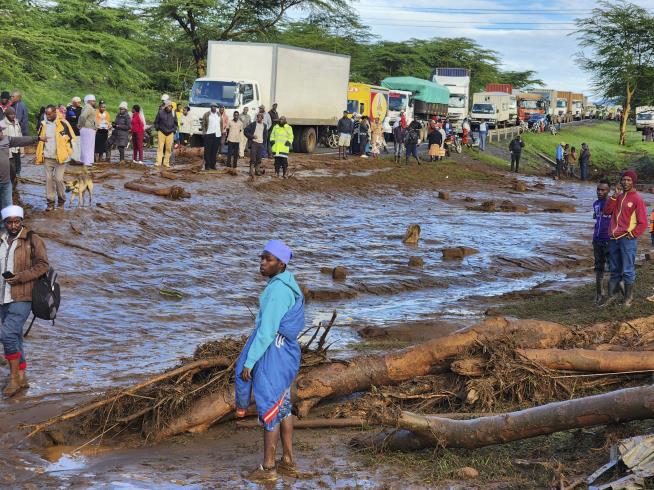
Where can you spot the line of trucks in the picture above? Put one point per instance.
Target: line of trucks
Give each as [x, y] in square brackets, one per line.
[312, 89]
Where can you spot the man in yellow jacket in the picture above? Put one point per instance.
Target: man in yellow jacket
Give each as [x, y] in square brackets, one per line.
[281, 138]
[53, 153]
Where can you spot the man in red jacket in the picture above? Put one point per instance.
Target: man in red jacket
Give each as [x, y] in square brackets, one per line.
[628, 221]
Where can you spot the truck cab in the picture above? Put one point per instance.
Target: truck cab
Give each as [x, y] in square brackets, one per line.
[484, 112]
[398, 101]
[233, 95]
[644, 117]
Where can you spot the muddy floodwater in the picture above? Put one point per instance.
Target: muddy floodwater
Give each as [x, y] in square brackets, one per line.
[115, 326]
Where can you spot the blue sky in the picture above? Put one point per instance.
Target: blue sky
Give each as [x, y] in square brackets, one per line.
[506, 26]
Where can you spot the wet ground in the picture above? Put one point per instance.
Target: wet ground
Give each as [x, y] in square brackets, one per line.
[114, 259]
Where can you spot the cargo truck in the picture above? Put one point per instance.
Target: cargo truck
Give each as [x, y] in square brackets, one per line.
[563, 111]
[429, 98]
[310, 87]
[400, 101]
[644, 117]
[367, 100]
[549, 100]
[491, 107]
[507, 88]
[530, 104]
[577, 106]
[457, 81]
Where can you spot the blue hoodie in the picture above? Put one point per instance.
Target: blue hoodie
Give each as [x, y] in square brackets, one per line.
[272, 351]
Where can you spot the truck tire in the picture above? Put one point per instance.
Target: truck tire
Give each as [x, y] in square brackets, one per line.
[297, 139]
[308, 140]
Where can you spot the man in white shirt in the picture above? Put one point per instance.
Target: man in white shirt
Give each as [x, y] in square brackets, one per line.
[211, 130]
[483, 131]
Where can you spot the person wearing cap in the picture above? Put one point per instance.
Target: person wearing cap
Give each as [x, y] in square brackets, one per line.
[628, 221]
[210, 127]
[23, 255]
[73, 112]
[270, 360]
[9, 142]
[121, 128]
[53, 152]
[22, 114]
[86, 125]
[166, 125]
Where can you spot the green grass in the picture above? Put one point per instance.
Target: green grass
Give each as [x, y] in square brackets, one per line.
[576, 306]
[602, 139]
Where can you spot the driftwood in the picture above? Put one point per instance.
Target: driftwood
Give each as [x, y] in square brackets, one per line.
[420, 431]
[201, 364]
[167, 174]
[590, 360]
[174, 192]
[359, 374]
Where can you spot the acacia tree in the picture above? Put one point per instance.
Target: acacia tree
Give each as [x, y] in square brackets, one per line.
[620, 40]
[225, 20]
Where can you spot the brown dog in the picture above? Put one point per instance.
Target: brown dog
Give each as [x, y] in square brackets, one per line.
[80, 186]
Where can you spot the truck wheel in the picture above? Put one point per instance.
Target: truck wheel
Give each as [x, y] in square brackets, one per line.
[297, 140]
[308, 140]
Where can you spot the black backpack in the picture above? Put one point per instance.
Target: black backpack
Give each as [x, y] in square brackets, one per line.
[46, 294]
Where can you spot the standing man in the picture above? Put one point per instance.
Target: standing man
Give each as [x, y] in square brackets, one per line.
[246, 120]
[344, 128]
[274, 115]
[584, 161]
[281, 138]
[166, 125]
[628, 221]
[412, 139]
[5, 102]
[210, 126]
[23, 255]
[601, 238]
[270, 361]
[53, 151]
[483, 131]
[268, 122]
[559, 159]
[224, 123]
[257, 135]
[22, 114]
[515, 148]
[8, 144]
[73, 113]
[86, 127]
[399, 132]
[13, 131]
[234, 135]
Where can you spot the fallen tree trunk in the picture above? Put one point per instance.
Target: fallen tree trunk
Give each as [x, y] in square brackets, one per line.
[430, 431]
[173, 192]
[360, 373]
[592, 361]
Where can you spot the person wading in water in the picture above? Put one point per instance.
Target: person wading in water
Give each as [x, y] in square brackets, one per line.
[270, 361]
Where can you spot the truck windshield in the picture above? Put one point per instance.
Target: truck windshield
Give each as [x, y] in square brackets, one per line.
[645, 117]
[529, 104]
[561, 103]
[204, 93]
[397, 102]
[483, 108]
[457, 101]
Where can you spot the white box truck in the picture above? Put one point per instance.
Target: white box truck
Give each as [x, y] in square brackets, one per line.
[492, 107]
[457, 80]
[398, 101]
[310, 87]
[644, 117]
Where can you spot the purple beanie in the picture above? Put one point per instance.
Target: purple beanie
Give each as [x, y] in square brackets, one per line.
[279, 249]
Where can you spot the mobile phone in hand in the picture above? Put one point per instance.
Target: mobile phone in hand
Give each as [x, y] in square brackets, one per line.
[8, 275]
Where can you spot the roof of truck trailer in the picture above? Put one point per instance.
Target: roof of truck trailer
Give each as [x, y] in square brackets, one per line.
[423, 90]
[288, 46]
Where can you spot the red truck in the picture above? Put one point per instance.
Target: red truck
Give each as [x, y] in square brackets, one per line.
[530, 105]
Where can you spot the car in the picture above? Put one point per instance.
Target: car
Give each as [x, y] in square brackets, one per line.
[536, 118]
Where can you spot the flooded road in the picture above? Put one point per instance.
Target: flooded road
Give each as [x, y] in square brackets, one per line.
[115, 326]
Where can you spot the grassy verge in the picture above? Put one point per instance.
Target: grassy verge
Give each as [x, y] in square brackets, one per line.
[576, 307]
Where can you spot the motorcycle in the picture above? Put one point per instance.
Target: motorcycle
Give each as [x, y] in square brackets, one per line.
[553, 130]
[453, 143]
[329, 138]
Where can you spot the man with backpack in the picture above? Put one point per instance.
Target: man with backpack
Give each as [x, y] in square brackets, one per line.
[412, 139]
[23, 259]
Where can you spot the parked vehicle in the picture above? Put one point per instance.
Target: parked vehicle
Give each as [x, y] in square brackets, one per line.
[452, 143]
[309, 86]
[563, 111]
[530, 105]
[367, 100]
[492, 107]
[429, 98]
[644, 117]
[457, 81]
[577, 106]
[536, 120]
[548, 97]
[507, 88]
[398, 101]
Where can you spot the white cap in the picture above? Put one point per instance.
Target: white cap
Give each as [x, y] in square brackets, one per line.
[89, 98]
[165, 97]
[12, 212]
[123, 105]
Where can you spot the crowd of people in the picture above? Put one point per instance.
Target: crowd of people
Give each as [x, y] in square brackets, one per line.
[567, 159]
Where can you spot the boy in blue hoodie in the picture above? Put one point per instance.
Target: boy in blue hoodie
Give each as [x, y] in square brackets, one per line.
[270, 361]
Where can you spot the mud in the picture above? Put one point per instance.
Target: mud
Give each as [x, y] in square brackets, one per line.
[115, 257]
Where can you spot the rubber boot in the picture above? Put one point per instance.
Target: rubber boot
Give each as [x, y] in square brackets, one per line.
[599, 288]
[613, 290]
[628, 295]
[13, 384]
